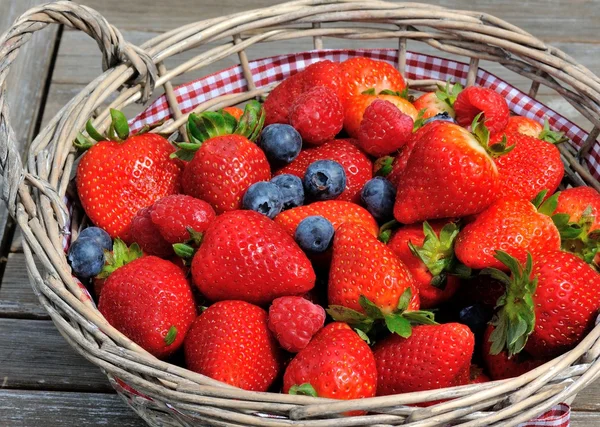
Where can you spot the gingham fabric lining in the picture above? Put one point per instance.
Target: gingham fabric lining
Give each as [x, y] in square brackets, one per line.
[418, 66]
[557, 416]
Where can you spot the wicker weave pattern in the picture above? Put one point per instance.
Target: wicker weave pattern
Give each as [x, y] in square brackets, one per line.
[35, 196]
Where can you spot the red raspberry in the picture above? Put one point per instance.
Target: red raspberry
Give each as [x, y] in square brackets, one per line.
[474, 100]
[172, 215]
[317, 115]
[146, 234]
[384, 128]
[294, 321]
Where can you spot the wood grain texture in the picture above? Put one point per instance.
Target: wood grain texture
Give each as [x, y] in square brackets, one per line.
[16, 295]
[39, 408]
[34, 356]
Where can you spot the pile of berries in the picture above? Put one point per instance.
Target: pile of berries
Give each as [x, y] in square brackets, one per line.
[295, 246]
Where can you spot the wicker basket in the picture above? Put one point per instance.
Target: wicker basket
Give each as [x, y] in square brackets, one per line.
[170, 395]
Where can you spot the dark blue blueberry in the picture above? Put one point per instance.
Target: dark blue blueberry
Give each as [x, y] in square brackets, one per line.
[314, 234]
[379, 195]
[324, 180]
[291, 189]
[263, 197]
[475, 317]
[281, 143]
[86, 257]
[444, 117]
[99, 235]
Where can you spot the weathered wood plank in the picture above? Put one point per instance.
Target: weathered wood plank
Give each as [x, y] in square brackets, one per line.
[35, 356]
[585, 419]
[16, 296]
[38, 408]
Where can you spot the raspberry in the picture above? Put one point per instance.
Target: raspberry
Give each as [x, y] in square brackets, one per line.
[146, 234]
[294, 321]
[474, 100]
[317, 115]
[172, 215]
[384, 128]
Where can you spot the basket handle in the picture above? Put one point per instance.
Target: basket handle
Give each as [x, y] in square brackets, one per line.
[115, 50]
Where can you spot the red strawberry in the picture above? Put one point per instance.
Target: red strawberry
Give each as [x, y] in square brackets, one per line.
[477, 376]
[356, 164]
[531, 166]
[356, 106]
[360, 74]
[384, 128]
[222, 170]
[440, 101]
[336, 364]
[244, 255]
[433, 357]
[280, 100]
[336, 211]
[429, 258]
[145, 233]
[465, 184]
[474, 100]
[500, 366]
[115, 179]
[175, 215]
[317, 115]
[150, 301]
[230, 342]
[552, 290]
[294, 321]
[117, 258]
[523, 125]
[580, 202]
[513, 225]
[362, 266]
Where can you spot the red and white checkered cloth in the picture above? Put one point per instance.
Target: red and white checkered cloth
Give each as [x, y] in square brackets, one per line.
[418, 66]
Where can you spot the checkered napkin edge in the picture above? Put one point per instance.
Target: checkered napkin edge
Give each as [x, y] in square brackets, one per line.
[266, 71]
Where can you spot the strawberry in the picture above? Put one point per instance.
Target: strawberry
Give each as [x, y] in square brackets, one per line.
[433, 357]
[230, 342]
[336, 211]
[117, 258]
[474, 100]
[146, 234]
[577, 217]
[336, 364]
[513, 225]
[317, 115]
[118, 177]
[356, 106]
[500, 366]
[440, 101]
[465, 184]
[430, 259]
[280, 100]
[477, 376]
[552, 290]
[532, 165]
[244, 255]
[356, 164]
[222, 170]
[384, 128]
[294, 321]
[524, 126]
[177, 217]
[361, 74]
[150, 301]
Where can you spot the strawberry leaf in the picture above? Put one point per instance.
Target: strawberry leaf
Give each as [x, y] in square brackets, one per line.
[370, 91]
[363, 336]
[184, 251]
[371, 309]
[120, 256]
[404, 300]
[303, 389]
[171, 335]
[92, 132]
[549, 205]
[82, 143]
[119, 124]
[398, 325]
[539, 198]
[447, 95]
[252, 121]
[553, 137]
[383, 165]
[420, 317]
[351, 317]
[420, 120]
[386, 230]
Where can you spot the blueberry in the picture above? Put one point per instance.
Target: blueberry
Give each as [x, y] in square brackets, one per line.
[291, 189]
[263, 197]
[379, 195]
[444, 117]
[324, 180]
[99, 235]
[475, 317]
[86, 257]
[314, 234]
[281, 143]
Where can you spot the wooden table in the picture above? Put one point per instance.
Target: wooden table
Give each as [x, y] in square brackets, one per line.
[43, 382]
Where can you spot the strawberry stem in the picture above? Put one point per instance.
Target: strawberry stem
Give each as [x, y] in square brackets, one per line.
[482, 134]
[120, 256]
[551, 136]
[305, 389]
[171, 335]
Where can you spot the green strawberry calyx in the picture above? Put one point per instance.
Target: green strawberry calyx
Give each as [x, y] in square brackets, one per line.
[209, 124]
[118, 257]
[437, 253]
[117, 131]
[448, 94]
[482, 135]
[420, 120]
[515, 320]
[383, 166]
[171, 335]
[386, 230]
[305, 389]
[551, 136]
[187, 250]
[400, 321]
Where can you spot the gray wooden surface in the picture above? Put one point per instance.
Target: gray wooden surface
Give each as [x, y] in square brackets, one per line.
[43, 382]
